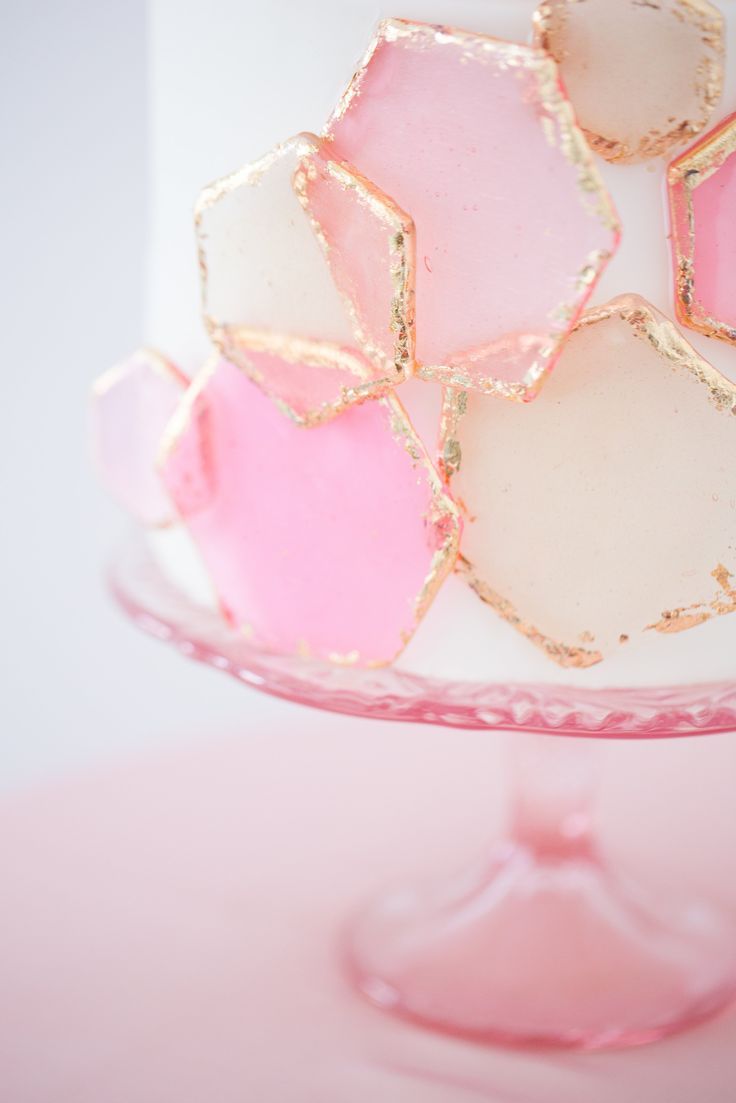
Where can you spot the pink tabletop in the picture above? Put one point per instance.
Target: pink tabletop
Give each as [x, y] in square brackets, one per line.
[168, 928]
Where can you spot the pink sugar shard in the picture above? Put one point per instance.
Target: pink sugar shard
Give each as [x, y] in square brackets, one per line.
[369, 246]
[475, 139]
[702, 184]
[325, 542]
[131, 407]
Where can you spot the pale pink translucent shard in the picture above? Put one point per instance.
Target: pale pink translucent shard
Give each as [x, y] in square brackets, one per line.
[607, 507]
[267, 278]
[326, 542]
[714, 210]
[368, 244]
[475, 140]
[131, 407]
[308, 389]
[702, 186]
[643, 76]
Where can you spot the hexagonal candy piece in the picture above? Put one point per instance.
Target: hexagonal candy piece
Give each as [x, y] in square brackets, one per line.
[308, 276]
[702, 189]
[132, 404]
[643, 77]
[476, 140]
[329, 543]
[606, 508]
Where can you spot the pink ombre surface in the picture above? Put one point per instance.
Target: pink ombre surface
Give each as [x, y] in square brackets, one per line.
[461, 134]
[168, 933]
[714, 211]
[318, 541]
[131, 406]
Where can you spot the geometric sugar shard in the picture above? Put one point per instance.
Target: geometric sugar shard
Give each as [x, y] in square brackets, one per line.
[643, 76]
[607, 508]
[702, 190]
[328, 543]
[475, 139]
[305, 261]
[368, 243]
[132, 405]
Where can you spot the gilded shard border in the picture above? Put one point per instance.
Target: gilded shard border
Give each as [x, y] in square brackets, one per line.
[234, 341]
[684, 175]
[560, 129]
[443, 516]
[708, 76]
[658, 331]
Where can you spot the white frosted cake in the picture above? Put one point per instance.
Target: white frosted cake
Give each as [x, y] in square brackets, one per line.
[229, 80]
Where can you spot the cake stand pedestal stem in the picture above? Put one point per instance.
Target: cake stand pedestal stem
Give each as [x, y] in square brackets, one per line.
[545, 944]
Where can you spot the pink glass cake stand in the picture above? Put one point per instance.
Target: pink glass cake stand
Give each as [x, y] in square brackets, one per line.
[545, 944]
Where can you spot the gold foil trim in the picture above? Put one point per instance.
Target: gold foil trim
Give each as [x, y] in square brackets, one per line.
[649, 325]
[562, 654]
[677, 620]
[561, 131]
[684, 175]
[400, 248]
[442, 518]
[234, 340]
[708, 84]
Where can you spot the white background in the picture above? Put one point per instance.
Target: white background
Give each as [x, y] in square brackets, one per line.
[78, 683]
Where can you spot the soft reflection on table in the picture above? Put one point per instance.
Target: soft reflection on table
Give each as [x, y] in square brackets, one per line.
[168, 929]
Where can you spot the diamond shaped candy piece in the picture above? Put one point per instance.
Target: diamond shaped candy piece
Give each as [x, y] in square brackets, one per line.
[643, 76]
[702, 188]
[475, 139]
[307, 274]
[329, 543]
[607, 508]
[132, 404]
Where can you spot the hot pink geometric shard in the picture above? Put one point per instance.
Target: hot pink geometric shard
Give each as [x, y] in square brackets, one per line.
[476, 140]
[132, 404]
[326, 542]
[307, 279]
[702, 187]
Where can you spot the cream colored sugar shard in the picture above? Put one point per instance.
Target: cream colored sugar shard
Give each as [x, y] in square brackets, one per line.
[607, 507]
[643, 75]
[269, 292]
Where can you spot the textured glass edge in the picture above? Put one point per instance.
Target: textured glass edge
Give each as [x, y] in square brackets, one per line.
[656, 712]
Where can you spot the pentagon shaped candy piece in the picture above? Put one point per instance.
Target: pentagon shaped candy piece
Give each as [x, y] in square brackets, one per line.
[475, 139]
[607, 507]
[643, 77]
[307, 277]
[132, 404]
[702, 190]
[328, 544]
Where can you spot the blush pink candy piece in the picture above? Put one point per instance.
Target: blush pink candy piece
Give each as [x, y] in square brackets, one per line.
[326, 542]
[368, 243]
[702, 186]
[474, 138]
[132, 404]
[305, 263]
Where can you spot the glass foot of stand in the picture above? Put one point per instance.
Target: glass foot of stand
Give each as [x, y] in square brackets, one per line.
[545, 944]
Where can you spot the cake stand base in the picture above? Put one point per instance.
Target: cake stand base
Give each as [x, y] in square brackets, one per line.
[545, 945]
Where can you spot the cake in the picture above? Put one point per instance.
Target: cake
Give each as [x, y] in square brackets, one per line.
[468, 332]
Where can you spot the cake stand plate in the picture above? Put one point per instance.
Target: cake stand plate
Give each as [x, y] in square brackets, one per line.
[546, 943]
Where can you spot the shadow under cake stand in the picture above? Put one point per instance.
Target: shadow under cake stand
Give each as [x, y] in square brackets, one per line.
[545, 943]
